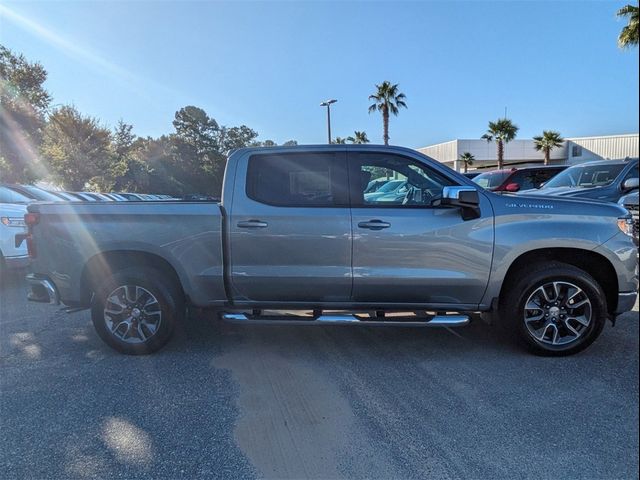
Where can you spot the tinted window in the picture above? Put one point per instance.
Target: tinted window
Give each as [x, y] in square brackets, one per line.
[633, 173]
[529, 179]
[410, 182]
[491, 179]
[298, 180]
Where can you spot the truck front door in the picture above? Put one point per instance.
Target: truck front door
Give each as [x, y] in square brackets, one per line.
[406, 249]
[290, 228]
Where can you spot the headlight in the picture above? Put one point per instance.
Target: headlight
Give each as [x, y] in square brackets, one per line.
[625, 224]
[13, 221]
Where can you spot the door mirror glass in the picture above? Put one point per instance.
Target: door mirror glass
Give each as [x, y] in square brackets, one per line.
[630, 184]
[512, 187]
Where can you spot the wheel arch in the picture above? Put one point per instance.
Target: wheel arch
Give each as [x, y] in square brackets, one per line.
[109, 262]
[595, 264]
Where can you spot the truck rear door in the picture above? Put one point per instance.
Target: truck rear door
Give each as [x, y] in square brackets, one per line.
[290, 228]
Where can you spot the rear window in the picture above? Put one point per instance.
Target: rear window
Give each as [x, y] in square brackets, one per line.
[530, 179]
[298, 180]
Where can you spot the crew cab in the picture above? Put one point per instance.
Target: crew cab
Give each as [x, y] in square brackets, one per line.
[294, 232]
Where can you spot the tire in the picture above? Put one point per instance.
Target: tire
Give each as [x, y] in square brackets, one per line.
[566, 309]
[135, 310]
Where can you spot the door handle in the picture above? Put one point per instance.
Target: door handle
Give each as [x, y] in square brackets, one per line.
[374, 225]
[252, 224]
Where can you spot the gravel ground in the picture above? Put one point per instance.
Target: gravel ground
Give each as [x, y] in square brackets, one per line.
[308, 402]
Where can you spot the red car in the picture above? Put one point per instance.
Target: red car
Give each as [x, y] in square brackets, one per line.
[517, 179]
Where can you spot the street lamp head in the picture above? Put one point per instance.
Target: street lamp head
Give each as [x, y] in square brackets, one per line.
[328, 102]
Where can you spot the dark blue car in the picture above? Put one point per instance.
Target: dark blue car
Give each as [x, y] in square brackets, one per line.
[605, 180]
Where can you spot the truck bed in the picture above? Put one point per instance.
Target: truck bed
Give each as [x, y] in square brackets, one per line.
[185, 236]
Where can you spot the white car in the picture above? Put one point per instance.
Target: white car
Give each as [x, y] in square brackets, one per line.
[11, 224]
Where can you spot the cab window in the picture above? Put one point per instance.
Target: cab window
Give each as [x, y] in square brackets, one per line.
[298, 180]
[405, 182]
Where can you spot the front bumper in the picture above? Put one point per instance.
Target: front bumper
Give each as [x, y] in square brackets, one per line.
[626, 302]
[42, 289]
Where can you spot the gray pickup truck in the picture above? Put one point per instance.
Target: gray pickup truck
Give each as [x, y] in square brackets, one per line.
[295, 241]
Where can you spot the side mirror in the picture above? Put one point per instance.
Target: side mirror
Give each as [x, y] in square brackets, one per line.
[465, 198]
[629, 184]
[512, 187]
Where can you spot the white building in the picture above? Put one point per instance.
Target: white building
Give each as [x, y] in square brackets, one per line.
[523, 152]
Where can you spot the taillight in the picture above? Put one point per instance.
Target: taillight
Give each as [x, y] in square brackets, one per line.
[31, 219]
[31, 247]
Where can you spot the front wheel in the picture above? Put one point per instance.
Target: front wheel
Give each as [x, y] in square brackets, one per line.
[135, 310]
[555, 310]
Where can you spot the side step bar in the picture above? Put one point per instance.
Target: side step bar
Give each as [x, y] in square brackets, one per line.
[436, 321]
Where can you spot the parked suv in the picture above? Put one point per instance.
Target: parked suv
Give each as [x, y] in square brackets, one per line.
[630, 202]
[517, 179]
[605, 180]
[11, 224]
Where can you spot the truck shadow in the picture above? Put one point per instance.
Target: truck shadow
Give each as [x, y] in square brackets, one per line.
[203, 330]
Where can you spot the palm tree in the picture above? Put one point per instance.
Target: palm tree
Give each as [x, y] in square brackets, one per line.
[387, 100]
[340, 140]
[547, 142]
[501, 131]
[629, 35]
[467, 159]
[359, 138]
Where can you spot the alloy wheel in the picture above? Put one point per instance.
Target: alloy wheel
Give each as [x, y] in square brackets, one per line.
[557, 313]
[132, 314]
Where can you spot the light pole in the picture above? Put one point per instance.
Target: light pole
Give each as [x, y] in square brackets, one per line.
[328, 105]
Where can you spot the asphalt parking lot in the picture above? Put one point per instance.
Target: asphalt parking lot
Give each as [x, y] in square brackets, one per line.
[227, 401]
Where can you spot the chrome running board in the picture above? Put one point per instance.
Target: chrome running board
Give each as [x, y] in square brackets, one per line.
[346, 319]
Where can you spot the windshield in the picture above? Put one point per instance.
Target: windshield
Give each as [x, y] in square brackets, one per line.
[584, 176]
[390, 186]
[7, 195]
[491, 179]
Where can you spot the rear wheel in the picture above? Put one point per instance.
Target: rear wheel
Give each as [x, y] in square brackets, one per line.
[555, 309]
[135, 310]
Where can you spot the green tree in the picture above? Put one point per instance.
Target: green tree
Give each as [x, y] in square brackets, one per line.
[386, 100]
[547, 142]
[629, 35]
[127, 170]
[198, 161]
[358, 138]
[502, 131]
[23, 104]
[340, 141]
[236, 137]
[467, 160]
[164, 170]
[290, 143]
[77, 148]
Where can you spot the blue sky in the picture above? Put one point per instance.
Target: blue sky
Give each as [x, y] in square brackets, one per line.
[554, 65]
